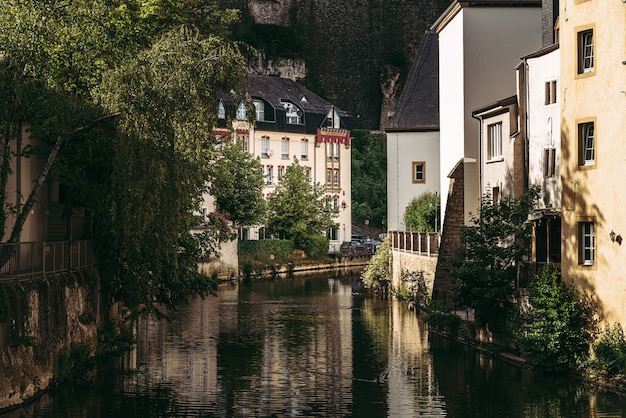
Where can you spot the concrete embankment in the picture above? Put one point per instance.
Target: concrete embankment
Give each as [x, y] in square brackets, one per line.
[45, 318]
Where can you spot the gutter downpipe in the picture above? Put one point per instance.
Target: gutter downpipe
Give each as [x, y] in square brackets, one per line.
[480, 155]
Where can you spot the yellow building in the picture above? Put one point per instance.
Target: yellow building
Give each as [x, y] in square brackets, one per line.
[593, 121]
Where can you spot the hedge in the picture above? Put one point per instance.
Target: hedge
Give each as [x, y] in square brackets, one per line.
[262, 249]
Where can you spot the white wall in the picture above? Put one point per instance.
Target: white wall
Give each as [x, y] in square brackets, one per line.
[404, 148]
[498, 172]
[544, 127]
[478, 51]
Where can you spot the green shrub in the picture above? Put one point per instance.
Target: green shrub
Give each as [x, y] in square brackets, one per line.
[314, 245]
[610, 350]
[556, 331]
[263, 249]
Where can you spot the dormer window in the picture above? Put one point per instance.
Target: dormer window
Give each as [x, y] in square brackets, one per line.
[332, 120]
[303, 99]
[259, 107]
[221, 111]
[293, 113]
[241, 111]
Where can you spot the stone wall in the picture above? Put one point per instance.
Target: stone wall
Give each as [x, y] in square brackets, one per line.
[46, 317]
[402, 261]
[354, 49]
[452, 233]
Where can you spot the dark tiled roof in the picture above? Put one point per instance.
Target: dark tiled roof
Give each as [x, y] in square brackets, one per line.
[418, 106]
[274, 89]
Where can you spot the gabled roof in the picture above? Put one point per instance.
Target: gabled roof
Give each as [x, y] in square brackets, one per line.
[418, 106]
[276, 89]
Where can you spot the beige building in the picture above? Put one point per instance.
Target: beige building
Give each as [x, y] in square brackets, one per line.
[293, 122]
[593, 152]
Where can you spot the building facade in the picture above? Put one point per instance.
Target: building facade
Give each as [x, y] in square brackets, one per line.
[593, 153]
[292, 123]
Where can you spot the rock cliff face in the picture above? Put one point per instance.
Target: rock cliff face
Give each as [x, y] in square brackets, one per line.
[354, 49]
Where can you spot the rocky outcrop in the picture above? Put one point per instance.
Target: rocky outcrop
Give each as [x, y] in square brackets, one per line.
[348, 44]
[293, 69]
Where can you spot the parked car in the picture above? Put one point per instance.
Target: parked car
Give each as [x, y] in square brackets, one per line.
[352, 247]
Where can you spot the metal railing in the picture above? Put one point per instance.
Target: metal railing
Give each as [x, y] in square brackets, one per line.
[39, 259]
[423, 243]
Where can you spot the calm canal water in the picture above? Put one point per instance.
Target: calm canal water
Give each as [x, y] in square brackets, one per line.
[314, 347]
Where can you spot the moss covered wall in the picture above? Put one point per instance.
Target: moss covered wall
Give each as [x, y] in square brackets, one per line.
[351, 47]
[46, 317]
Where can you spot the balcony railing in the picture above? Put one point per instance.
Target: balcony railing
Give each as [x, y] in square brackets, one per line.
[423, 243]
[39, 259]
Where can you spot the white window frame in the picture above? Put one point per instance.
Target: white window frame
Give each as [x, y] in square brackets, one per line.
[244, 142]
[284, 148]
[265, 147]
[279, 174]
[293, 114]
[494, 142]
[587, 141]
[586, 233]
[586, 51]
[268, 175]
[241, 111]
[551, 92]
[221, 110]
[304, 150]
[259, 108]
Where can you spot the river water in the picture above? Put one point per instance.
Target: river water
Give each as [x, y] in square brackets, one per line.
[313, 346]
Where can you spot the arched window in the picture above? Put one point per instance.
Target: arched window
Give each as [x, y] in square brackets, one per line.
[293, 113]
[241, 111]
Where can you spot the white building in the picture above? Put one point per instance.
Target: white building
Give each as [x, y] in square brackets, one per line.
[480, 43]
[413, 135]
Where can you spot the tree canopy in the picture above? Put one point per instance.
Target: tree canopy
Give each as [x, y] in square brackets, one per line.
[369, 166]
[121, 97]
[237, 185]
[422, 212]
[299, 210]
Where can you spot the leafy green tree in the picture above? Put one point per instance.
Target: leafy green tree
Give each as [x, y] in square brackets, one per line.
[237, 185]
[120, 98]
[369, 166]
[165, 98]
[299, 210]
[493, 247]
[422, 212]
[556, 330]
[376, 274]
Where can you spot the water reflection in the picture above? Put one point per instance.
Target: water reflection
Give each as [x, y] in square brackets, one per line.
[313, 347]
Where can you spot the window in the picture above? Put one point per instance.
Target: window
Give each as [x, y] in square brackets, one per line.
[259, 107]
[304, 150]
[550, 92]
[219, 143]
[586, 235]
[284, 148]
[241, 111]
[268, 175]
[265, 145]
[244, 142]
[221, 110]
[293, 113]
[332, 120]
[494, 141]
[419, 172]
[329, 151]
[495, 196]
[549, 162]
[335, 202]
[585, 51]
[336, 152]
[307, 172]
[333, 233]
[336, 178]
[586, 135]
[329, 177]
[279, 174]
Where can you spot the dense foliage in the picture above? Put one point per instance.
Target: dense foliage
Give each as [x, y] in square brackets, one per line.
[263, 249]
[377, 274]
[494, 245]
[120, 97]
[610, 351]
[300, 211]
[556, 330]
[422, 212]
[369, 166]
[237, 185]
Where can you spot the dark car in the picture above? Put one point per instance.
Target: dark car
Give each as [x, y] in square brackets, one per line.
[352, 247]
